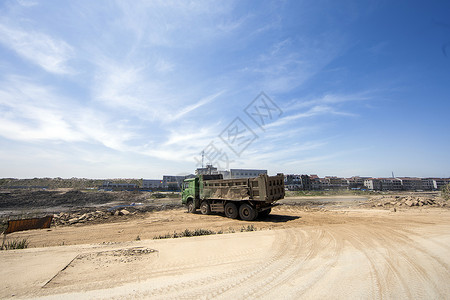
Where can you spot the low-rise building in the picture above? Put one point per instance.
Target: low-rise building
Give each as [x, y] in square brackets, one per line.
[306, 182]
[372, 184]
[391, 184]
[208, 170]
[336, 183]
[293, 182]
[318, 183]
[173, 183]
[246, 173]
[428, 184]
[411, 183]
[356, 182]
[230, 174]
[153, 184]
[315, 182]
[439, 183]
[225, 174]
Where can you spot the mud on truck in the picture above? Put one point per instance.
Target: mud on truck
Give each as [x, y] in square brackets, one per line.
[247, 198]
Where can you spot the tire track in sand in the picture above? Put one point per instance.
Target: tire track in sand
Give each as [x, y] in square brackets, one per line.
[213, 286]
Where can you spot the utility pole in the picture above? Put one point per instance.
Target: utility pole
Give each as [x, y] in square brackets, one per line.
[203, 157]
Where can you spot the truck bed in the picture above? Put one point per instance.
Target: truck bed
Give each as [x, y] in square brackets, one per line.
[262, 188]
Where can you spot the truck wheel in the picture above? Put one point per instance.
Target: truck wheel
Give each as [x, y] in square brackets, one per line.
[231, 210]
[247, 213]
[205, 208]
[191, 207]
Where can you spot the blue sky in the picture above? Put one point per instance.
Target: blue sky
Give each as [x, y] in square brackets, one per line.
[138, 89]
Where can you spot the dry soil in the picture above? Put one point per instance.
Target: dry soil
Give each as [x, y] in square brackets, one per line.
[297, 252]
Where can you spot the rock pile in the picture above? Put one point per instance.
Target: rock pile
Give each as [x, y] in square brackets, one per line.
[94, 216]
[390, 201]
[73, 218]
[115, 213]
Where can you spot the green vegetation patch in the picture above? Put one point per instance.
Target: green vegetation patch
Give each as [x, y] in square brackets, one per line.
[159, 195]
[15, 244]
[199, 232]
[446, 192]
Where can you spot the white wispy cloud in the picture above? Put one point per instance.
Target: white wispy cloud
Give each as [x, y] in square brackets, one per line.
[180, 137]
[127, 87]
[27, 3]
[194, 106]
[312, 112]
[161, 23]
[32, 112]
[181, 143]
[120, 86]
[288, 63]
[228, 26]
[49, 53]
[164, 66]
[330, 99]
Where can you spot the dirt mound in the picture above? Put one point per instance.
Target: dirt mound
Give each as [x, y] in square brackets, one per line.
[41, 198]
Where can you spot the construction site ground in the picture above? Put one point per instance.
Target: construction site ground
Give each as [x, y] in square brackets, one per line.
[340, 247]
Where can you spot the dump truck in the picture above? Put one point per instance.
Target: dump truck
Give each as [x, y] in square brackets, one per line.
[247, 198]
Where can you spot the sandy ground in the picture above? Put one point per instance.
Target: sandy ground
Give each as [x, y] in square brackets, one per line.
[296, 253]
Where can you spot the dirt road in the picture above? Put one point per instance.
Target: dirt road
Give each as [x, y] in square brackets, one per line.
[296, 253]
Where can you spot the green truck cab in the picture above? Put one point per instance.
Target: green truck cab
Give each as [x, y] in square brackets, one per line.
[246, 198]
[189, 193]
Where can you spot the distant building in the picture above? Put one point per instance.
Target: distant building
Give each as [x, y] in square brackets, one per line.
[168, 182]
[336, 183]
[439, 183]
[208, 170]
[154, 184]
[293, 182]
[411, 183]
[428, 184]
[402, 183]
[225, 174]
[173, 183]
[316, 184]
[230, 174]
[391, 184]
[356, 182]
[246, 173]
[296, 182]
[306, 182]
[372, 184]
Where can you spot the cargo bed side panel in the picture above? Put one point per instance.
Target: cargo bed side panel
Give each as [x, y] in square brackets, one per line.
[227, 189]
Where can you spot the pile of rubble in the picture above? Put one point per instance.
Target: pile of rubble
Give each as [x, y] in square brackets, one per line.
[66, 218]
[405, 201]
[112, 214]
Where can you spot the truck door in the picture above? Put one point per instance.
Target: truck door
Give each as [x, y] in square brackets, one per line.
[186, 191]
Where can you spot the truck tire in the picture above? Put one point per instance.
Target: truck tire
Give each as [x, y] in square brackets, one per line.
[231, 210]
[191, 207]
[205, 208]
[247, 213]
